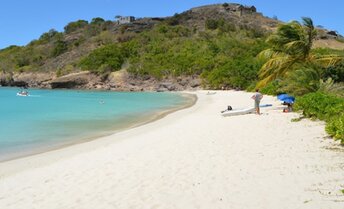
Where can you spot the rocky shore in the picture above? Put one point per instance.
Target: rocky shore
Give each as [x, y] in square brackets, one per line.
[115, 81]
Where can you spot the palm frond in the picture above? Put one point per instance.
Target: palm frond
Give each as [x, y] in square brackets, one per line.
[291, 48]
[264, 82]
[275, 68]
[296, 47]
[308, 22]
[302, 81]
[328, 60]
[329, 86]
[267, 54]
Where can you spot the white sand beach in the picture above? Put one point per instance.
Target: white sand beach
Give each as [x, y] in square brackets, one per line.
[192, 158]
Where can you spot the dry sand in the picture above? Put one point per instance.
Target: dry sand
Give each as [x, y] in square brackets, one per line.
[193, 158]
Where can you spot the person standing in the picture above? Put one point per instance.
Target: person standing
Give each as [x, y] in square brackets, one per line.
[257, 97]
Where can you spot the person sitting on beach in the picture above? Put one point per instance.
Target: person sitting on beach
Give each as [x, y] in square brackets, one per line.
[289, 108]
[257, 97]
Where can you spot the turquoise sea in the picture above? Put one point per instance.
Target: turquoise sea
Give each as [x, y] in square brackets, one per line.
[48, 119]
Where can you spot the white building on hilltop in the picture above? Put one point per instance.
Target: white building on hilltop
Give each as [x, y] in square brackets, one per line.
[124, 20]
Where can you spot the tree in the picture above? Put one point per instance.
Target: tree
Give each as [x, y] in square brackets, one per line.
[106, 58]
[48, 35]
[291, 46]
[60, 47]
[73, 26]
[97, 21]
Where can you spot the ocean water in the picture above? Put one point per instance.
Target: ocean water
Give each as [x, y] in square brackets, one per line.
[48, 119]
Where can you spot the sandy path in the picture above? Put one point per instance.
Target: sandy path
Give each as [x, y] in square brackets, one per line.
[193, 158]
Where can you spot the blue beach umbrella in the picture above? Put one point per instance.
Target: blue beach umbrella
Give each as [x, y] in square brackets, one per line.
[286, 98]
[282, 96]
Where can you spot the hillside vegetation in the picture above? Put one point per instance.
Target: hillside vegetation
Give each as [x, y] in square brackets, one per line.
[211, 45]
[208, 43]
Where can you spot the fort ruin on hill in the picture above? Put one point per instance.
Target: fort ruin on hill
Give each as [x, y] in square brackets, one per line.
[237, 9]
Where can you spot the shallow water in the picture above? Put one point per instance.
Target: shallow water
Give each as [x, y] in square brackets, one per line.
[49, 118]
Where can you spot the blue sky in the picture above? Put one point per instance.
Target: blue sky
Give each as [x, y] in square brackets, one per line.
[25, 20]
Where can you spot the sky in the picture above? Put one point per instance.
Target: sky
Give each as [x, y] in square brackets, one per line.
[22, 21]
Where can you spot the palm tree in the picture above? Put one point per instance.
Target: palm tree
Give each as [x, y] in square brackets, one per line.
[303, 80]
[291, 46]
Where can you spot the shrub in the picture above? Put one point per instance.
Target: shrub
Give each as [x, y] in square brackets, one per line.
[335, 72]
[320, 105]
[97, 21]
[48, 36]
[335, 128]
[272, 88]
[325, 107]
[235, 73]
[107, 57]
[221, 24]
[64, 71]
[211, 24]
[59, 48]
[173, 20]
[73, 26]
[27, 68]
[105, 38]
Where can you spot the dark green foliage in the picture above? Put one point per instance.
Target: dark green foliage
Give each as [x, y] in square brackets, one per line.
[212, 24]
[335, 72]
[236, 66]
[234, 73]
[273, 88]
[304, 80]
[93, 30]
[177, 19]
[104, 59]
[221, 24]
[168, 50]
[10, 58]
[78, 42]
[73, 26]
[225, 4]
[175, 57]
[97, 21]
[12, 47]
[335, 127]
[219, 58]
[59, 48]
[173, 20]
[325, 107]
[320, 105]
[96, 26]
[46, 37]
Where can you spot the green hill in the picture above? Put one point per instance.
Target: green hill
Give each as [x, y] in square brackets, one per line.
[213, 46]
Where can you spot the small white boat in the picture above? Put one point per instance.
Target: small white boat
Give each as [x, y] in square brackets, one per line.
[239, 111]
[23, 93]
[211, 93]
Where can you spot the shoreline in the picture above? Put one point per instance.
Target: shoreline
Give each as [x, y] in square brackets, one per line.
[192, 158]
[190, 98]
